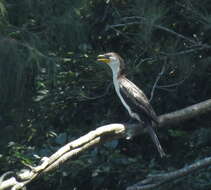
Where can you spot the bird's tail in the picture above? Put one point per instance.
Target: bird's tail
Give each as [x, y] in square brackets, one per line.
[155, 140]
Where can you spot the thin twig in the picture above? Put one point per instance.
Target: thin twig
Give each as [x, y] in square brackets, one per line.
[166, 89]
[124, 35]
[156, 81]
[155, 26]
[175, 33]
[175, 84]
[199, 46]
[162, 28]
[146, 59]
[100, 96]
[187, 51]
[172, 85]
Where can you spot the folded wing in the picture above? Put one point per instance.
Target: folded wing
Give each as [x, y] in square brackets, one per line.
[138, 98]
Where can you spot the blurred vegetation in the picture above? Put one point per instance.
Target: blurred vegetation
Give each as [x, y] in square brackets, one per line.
[53, 91]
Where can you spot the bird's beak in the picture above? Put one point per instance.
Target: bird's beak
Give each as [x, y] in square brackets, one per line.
[103, 58]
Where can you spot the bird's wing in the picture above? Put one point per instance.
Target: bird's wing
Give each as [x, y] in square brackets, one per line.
[138, 98]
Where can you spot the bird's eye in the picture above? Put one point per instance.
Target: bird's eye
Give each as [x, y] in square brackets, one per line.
[112, 58]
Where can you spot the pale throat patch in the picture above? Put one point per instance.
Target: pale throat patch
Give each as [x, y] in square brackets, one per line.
[115, 66]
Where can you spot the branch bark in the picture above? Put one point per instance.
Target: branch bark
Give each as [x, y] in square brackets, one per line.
[153, 181]
[94, 138]
[186, 113]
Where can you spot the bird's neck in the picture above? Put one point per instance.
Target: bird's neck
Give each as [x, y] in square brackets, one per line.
[116, 77]
[117, 73]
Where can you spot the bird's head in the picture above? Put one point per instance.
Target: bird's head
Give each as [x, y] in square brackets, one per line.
[114, 61]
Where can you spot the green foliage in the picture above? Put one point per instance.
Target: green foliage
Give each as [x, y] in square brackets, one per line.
[53, 91]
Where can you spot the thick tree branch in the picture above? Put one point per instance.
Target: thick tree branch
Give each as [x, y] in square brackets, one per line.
[153, 181]
[94, 138]
[186, 113]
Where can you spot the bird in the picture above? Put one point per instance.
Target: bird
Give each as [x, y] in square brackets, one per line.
[132, 97]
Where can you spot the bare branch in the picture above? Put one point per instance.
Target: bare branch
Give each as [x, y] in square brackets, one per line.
[153, 181]
[173, 84]
[186, 113]
[156, 81]
[140, 20]
[169, 87]
[175, 33]
[94, 138]
[99, 96]
[156, 26]
[187, 51]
